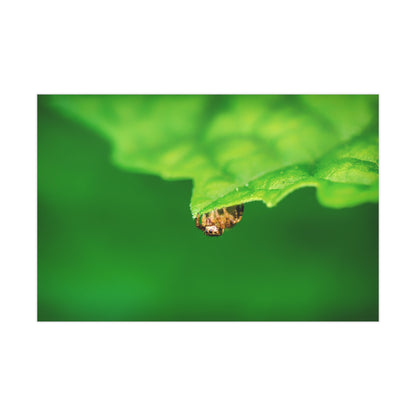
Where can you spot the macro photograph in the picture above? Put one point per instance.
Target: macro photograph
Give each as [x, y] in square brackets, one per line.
[193, 218]
[208, 208]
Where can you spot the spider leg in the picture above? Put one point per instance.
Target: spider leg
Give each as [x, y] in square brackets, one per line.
[240, 210]
[204, 221]
[197, 223]
[229, 216]
[219, 218]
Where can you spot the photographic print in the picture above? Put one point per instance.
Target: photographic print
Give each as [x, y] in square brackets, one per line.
[208, 208]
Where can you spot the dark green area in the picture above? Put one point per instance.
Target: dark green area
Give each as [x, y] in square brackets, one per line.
[115, 245]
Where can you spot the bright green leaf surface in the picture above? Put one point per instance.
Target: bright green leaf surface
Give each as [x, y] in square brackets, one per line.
[238, 149]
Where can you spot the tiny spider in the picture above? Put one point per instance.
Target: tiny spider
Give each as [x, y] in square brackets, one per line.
[214, 223]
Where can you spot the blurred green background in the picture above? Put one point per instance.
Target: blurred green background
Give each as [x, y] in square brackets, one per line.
[121, 246]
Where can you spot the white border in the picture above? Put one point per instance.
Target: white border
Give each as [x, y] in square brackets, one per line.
[207, 368]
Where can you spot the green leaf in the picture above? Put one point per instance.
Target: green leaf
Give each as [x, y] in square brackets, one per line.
[238, 149]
